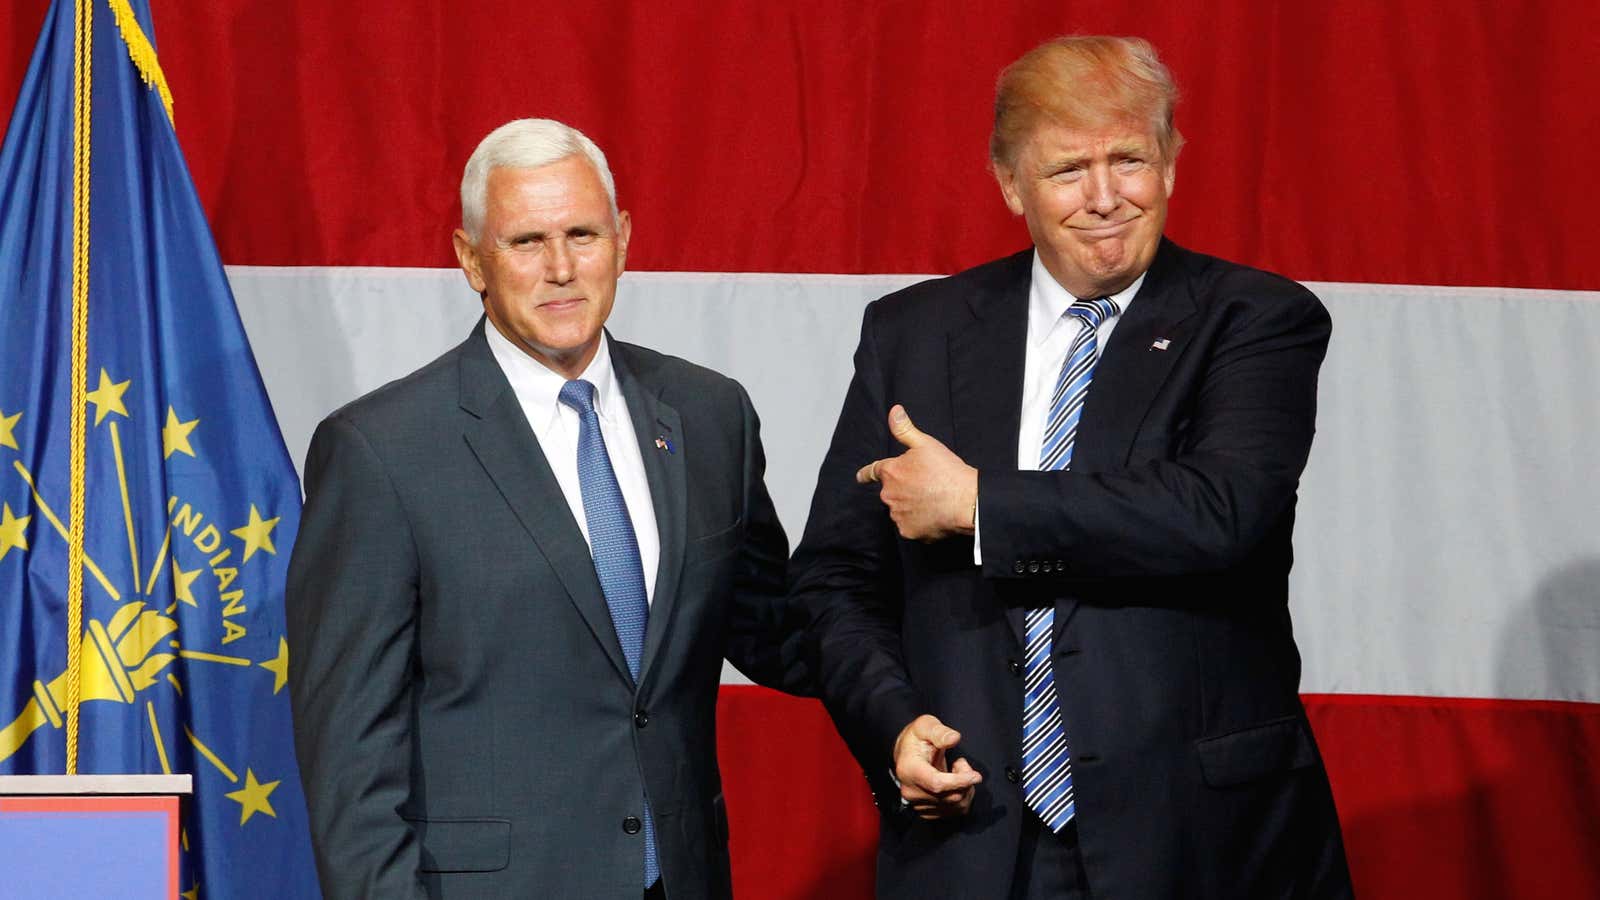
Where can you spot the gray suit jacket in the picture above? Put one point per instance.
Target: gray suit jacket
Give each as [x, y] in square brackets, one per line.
[464, 718]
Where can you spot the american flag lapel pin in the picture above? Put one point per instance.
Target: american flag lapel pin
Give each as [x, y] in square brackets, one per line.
[1161, 344]
[662, 441]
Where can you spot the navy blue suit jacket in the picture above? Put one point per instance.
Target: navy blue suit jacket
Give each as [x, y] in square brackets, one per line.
[1165, 551]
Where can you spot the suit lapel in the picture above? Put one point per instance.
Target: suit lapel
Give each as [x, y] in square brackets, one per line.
[1130, 370]
[652, 419]
[986, 367]
[498, 433]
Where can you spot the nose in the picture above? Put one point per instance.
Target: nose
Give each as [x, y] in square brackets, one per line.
[559, 266]
[1100, 190]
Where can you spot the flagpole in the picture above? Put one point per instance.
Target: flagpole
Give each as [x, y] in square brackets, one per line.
[83, 59]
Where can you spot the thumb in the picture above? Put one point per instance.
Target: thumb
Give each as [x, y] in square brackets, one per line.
[902, 429]
[940, 735]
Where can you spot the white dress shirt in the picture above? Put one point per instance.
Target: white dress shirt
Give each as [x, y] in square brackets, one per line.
[555, 425]
[1050, 335]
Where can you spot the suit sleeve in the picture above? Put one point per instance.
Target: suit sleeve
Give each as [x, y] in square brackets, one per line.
[1204, 507]
[351, 604]
[766, 639]
[847, 578]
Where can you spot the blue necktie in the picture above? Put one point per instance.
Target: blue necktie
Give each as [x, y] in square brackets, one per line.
[616, 556]
[1046, 763]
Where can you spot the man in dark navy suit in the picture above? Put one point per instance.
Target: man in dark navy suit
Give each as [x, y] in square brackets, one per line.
[1078, 554]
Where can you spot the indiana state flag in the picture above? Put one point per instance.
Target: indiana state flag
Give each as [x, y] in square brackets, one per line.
[147, 503]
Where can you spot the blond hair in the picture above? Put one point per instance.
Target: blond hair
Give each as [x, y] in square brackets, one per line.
[1084, 81]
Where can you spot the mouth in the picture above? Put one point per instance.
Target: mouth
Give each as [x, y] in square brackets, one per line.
[1109, 229]
[562, 304]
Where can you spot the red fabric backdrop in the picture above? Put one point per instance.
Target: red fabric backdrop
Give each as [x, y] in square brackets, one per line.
[1416, 142]
[1437, 798]
[1406, 142]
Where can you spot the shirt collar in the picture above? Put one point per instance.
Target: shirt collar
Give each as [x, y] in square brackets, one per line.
[1048, 300]
[538, 388]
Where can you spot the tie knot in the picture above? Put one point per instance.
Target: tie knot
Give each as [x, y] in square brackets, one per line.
[1094, 312]
[579, 395]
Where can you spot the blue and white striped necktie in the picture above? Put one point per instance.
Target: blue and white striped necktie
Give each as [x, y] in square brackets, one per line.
[1046, 762]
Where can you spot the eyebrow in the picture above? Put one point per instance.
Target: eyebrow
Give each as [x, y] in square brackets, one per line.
[1115, 151]
[1056, 163]
[1131, 148]
[541, 234]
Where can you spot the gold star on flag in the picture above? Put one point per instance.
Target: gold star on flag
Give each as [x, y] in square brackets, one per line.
[12, 530]
[107, 398]
[175, 436]
[257, 535]
[7, 426]
[278, 667]
[182, 584]
[252, 798]
[192, 893]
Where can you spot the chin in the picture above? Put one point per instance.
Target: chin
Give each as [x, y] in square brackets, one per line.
[1104, 270]
[1115, 263]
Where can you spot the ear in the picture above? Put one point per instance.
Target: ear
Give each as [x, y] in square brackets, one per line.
[624, 232]
[1170, 176]
[467, 256]
[1007, 176]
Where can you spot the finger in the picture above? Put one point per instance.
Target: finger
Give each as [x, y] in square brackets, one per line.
[958, 801]
[922, 778]
[962, 795]
[868, 474]
[917, 797]
[902, 429]
[965, 803]
[948, 801]
[936, 733]
[944, 806]
[934, 783]
[913, 772]
[915, 753]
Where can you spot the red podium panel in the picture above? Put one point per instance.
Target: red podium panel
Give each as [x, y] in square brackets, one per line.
[90, 835]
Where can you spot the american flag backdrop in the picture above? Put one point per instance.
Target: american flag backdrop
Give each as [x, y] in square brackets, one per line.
[1430, 169]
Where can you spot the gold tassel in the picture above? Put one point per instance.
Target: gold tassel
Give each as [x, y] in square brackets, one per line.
[140, 51]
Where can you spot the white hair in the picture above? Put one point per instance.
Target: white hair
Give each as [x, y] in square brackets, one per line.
[525, 144]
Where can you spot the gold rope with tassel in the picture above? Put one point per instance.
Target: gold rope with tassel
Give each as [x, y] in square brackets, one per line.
[141, 52]
[83, 58]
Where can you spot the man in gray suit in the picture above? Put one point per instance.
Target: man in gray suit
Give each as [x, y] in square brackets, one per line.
[518, 572]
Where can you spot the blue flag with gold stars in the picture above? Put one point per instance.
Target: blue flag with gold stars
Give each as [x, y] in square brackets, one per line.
[147, 503]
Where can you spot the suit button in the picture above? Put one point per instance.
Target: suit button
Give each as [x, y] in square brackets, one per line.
[641, 718]
[631, 825]
[1018, 567]
[1014, 666]
[1012, 775]
[1033, 567]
